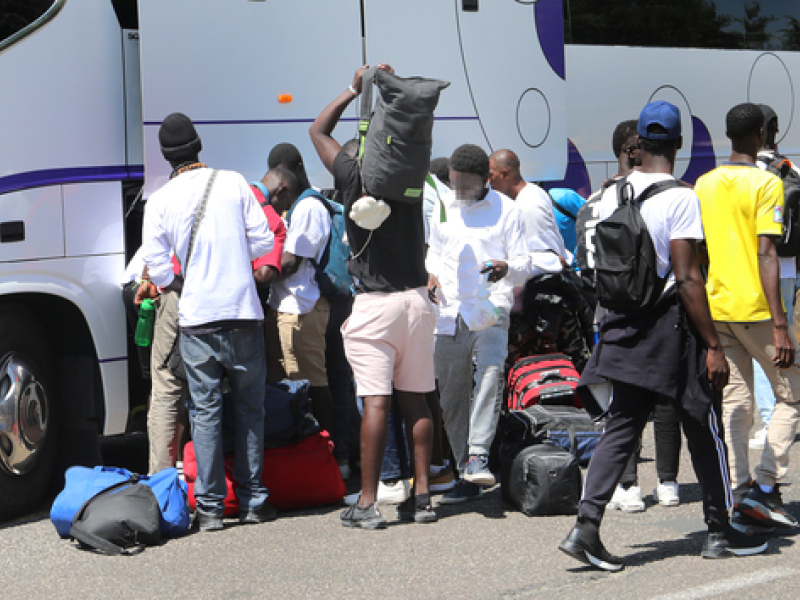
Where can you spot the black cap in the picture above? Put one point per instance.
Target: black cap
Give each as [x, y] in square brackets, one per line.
[178, 138]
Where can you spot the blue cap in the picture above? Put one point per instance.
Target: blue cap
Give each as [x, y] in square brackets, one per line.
[660, 113]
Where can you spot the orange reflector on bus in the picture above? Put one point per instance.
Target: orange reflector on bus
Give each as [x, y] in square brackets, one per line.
[284, 98]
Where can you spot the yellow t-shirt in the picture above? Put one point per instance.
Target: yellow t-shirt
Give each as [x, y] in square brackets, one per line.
[738, 202]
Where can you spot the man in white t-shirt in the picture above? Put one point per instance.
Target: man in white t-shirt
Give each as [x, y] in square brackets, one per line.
[670, 351]
[541, 227]
[301, 312]
[212, 223]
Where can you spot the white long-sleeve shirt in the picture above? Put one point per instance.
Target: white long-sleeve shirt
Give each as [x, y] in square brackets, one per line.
[219, 284]
[491, 229]
[541, 227]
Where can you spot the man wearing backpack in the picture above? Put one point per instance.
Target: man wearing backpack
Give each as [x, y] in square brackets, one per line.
[744, 294]
[668, 347]
[301, 311]
[769, 159]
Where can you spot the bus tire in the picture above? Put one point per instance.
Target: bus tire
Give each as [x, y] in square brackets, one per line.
[27, 401]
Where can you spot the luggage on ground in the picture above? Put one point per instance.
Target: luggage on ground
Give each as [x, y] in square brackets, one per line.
[121, 519]
[83, 483]
[300, 475]
[569, 427]
[543, 479]
[546, 379]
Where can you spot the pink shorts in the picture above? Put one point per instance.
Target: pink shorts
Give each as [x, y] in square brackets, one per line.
[388, 340]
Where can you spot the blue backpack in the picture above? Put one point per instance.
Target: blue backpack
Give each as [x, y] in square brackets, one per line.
[332, 275]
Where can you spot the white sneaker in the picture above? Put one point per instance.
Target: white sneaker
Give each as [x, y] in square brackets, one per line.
[394, 493]
[759, 439]
[666, 494]
[388, 493]
[629, 500]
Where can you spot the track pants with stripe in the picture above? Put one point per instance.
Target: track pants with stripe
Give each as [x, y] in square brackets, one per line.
[628, 413]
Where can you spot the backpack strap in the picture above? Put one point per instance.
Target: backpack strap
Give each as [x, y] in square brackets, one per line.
[263, 189]
[198, 218]
[367, 80]
[561, 209]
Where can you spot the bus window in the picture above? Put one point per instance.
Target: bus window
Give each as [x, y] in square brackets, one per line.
[722, 24]
[19, 18]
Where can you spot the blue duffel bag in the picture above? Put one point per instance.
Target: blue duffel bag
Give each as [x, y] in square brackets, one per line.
[83, 483]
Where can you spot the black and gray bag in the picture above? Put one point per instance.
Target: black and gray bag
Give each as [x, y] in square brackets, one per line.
[625, 256]
[544, 479]
[396, 139]
[122, 519]
[789, 244]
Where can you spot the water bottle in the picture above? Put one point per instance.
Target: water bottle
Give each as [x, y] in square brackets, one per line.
[144, 327]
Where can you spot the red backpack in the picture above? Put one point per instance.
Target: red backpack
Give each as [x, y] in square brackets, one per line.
[544, 379]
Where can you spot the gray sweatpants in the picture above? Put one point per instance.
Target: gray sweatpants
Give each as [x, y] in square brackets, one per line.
[470, 415]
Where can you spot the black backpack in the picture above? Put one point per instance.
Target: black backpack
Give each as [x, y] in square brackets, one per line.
[396, 139]
[625, 257]
[789, 244]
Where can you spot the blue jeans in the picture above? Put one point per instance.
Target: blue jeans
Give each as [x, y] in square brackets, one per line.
[762, 390]
[239, 354]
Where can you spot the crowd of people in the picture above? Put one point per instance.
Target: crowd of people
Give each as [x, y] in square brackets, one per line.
[420, 346]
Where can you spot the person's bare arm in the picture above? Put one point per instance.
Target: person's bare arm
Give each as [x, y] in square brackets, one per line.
[321, 129]
[769, 271]
[265, 276]
[290, 263]
[692, 293]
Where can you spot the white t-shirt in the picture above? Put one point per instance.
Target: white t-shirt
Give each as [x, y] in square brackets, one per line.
[309, 229]
[541, 227]
[673, 214]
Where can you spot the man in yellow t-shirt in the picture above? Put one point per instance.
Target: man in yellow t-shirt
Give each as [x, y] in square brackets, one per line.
[742, 213]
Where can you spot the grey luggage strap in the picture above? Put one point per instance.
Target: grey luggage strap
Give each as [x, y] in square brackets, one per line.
[198, 218]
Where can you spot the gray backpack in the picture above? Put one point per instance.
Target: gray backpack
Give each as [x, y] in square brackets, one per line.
[396, 139]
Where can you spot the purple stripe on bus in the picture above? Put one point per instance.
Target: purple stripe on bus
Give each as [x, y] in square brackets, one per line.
[45, 177]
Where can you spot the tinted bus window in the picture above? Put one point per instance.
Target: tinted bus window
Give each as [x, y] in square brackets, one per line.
[728, 24]
[17, 15]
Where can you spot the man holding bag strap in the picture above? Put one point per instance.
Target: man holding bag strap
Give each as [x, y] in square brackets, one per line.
[214, 225]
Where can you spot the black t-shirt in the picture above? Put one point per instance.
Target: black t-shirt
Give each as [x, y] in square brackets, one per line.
[394, 259]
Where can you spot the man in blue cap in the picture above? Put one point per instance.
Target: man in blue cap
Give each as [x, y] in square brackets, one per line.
[669, 351]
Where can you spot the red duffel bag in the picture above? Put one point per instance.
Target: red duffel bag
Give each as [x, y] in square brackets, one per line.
[300, 475]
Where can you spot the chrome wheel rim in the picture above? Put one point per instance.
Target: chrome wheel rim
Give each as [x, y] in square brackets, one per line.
[23, 415]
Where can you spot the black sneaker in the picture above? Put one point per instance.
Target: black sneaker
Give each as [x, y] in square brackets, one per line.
[463, 492]
[731, 541]
[417, 509]
[744, 524]
[767, 508]
[365, 518]
[207, 522]
[583, 543]
[262, 514]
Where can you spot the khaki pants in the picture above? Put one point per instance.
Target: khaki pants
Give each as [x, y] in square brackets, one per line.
[742, 343]
[303, 343]
[168, 392]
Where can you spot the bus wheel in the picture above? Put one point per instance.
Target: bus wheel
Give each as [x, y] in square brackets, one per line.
[27, 418]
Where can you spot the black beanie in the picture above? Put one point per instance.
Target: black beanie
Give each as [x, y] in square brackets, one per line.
[178, 138]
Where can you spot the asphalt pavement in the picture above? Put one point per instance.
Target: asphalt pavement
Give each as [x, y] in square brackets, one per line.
[482, 549]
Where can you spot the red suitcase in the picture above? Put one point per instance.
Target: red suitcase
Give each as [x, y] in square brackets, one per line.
[300, 475]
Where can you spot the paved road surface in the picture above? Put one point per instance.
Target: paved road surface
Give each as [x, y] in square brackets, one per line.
[483, 549]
